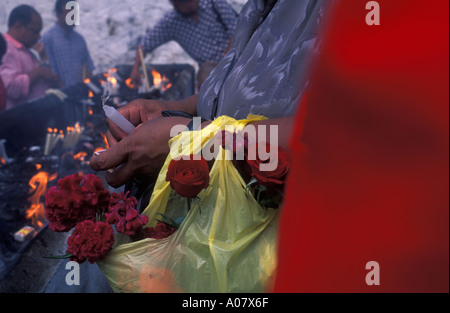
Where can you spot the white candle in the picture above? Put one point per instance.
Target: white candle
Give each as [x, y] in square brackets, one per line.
[47, 144]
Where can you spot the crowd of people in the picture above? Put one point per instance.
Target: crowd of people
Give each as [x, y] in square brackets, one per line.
[32, 64]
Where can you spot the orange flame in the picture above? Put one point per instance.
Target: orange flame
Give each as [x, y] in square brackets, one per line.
[90, 111]
[156, 78]
[169, 85]
[80, 156]
[161, 81]
[2, 161]
[105, 140]
[38, 184]
[91, 94]
[129, 84]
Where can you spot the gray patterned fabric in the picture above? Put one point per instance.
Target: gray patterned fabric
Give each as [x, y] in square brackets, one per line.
[270, 71]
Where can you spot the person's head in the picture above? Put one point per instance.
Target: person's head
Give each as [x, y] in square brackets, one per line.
[61, 13]
[186, 8]
[2, 47]
[25, 25]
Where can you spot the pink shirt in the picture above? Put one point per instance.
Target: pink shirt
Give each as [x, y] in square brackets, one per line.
[17, 63]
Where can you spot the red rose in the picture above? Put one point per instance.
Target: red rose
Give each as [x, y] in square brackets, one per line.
[73, 200]
[90, 240]
[270, 172]
[188, 177]
[123, 213]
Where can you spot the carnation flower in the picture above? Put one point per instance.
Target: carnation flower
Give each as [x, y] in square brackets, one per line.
[73, 200]
[94, 191]
[123, 213]
[160, 231]
[90, 241]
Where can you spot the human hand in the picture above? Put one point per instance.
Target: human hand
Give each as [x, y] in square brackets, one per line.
[46, 74]
[137, 112]
[141, 154]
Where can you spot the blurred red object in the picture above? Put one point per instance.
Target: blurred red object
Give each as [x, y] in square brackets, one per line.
[370, 173]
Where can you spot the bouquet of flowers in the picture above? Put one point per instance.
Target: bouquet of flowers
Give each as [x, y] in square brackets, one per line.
[82, 203]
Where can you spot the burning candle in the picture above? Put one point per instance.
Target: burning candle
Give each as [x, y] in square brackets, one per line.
[72, 136]
[47, 141]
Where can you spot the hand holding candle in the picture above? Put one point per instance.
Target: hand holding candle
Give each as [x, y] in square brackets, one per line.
[112, 113]
[118, 119]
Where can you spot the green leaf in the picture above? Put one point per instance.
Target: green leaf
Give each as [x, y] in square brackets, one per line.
[167, 223]
[168, 219]
[59, 257]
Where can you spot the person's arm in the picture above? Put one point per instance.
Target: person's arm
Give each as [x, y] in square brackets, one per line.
[228, 46]
[141, 111]
[17, 84]
[275, 131]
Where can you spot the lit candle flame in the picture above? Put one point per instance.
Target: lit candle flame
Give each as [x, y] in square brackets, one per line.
[38, 184]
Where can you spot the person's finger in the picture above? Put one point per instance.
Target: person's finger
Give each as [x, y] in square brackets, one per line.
[110, 158]
[116, 132]
[120, 175]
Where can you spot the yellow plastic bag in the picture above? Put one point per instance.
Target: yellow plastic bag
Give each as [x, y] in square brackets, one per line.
[226, 243]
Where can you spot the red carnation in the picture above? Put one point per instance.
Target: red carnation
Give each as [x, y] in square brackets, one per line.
[277, 163]
[94, 191]
[73, 200]
[188, 177]
[90, 240]
[160, 231]
[123, 213]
